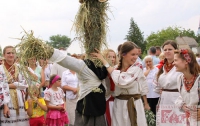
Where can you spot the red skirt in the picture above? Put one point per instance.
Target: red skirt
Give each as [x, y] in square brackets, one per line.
[56, 118]
[38, 121]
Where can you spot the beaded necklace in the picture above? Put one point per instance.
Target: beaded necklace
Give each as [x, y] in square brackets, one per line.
[168, 66]
[189, 83]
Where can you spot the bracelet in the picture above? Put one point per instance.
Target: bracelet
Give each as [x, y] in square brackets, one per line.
[107, 65]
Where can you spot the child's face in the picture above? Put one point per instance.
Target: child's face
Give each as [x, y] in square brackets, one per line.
[58, 83]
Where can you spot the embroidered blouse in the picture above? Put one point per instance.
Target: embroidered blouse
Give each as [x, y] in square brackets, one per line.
[54, 97]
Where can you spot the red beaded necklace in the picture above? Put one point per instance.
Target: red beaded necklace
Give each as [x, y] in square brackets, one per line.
[189, 83]
[168, 66]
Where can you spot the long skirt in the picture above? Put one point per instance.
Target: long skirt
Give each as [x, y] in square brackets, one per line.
[81, 120]
[120, 113]
[167, 112]
[16, 120]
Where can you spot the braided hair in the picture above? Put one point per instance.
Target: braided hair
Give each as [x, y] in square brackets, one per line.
[125, 48]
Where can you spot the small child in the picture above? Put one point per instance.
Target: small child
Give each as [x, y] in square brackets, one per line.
[55, 100]
[35, 106]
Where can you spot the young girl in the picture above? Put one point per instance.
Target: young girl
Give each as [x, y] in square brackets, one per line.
[130, 87]
[112, 58]
[35, 107]
[55, 101]
[188, 86]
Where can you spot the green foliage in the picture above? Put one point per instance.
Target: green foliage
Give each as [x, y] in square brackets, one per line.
[170, 33]
[150, 117]
[0, 51]
[135, 35]
[58, 41]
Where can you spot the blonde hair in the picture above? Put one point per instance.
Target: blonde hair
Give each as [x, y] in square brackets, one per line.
[106, 52]
[148, 57]
[161, 56]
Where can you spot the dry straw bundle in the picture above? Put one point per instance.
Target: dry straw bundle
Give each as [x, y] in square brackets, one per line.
[91, 25]
[30, 47]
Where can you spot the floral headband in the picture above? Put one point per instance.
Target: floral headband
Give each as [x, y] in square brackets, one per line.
[185, 54]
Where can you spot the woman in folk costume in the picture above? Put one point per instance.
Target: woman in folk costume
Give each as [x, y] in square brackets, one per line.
[188, 83]
[112, 58]
[17, 115]
[130, 87]
[166, 81]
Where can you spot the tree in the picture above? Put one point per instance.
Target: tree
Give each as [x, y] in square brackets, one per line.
[135, 35]
[0, 51]
[58, 41]
[170, 33]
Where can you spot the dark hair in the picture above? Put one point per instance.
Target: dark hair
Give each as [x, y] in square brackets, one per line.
[152, 50]
[173, 44]
[119, 47]
[62, 48]
[158, 48]
[125, 48]
[193, 65]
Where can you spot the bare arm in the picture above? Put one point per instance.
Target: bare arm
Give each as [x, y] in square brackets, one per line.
[68, 88]
[53, 107]
[12, 86]
[30, 108]
[65, 105]
[42, 78]
[146, 105]
[147, 71]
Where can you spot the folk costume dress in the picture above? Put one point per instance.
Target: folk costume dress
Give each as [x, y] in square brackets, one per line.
[167, 81]
[91, 105]
[71, 80]
[55, 117]
[190, 98]
[18, 115]
[130, 86]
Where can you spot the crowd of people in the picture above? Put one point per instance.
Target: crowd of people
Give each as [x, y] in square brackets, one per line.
[71, 90]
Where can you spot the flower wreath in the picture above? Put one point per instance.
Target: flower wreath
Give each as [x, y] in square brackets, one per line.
[185, 54]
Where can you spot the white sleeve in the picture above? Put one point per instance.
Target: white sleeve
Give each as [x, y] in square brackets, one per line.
[179, 102]
[67, 61]
[54, 69]
[157, 87]
[63, 79]
[144, 85]
[4, 90]
[125, 79]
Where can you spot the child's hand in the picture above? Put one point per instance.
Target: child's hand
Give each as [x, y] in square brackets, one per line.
[30, 102]
[59, 107]
[75, 90]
